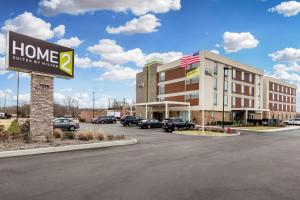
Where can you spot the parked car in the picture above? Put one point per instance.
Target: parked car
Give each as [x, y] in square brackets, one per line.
[292, 122]
[5, 116]
[150, 123]
[65, 124]
[176, 124]
[129, 120]
[104, 120]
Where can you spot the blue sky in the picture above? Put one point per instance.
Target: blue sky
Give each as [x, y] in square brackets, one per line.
[113, 39]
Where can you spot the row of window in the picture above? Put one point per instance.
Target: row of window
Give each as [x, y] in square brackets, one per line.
[282, 89]
[234, 71]
[192, 96]
[282, 98]
[281, 107]
[233, 102]
[233, 87]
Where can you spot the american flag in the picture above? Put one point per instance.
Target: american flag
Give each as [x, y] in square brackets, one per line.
[190, 59]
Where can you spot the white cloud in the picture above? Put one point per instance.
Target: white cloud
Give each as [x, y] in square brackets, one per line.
[287, 8]
[14, 75]
[86, 62]
[286, 55]
[119, 73]
[23, 98]
[215, 51]
[137, 7]
[72, 42]
[30, 25]
[113, 53]
[59, 31]
[2, 44]
[234, 42]
[144, 24]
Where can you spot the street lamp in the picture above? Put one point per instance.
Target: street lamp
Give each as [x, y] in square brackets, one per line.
[226, 68]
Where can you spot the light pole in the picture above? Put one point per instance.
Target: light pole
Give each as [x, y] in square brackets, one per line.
[93, 104]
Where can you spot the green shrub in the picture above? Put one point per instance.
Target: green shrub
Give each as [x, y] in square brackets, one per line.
[68, 135]
[14, 129]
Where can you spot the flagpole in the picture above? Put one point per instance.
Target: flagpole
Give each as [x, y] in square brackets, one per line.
[202, 85]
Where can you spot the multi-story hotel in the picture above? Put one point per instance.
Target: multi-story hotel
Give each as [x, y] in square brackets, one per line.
[279, 99]
[164, 90]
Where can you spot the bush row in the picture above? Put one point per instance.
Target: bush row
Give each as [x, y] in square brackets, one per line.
[85, 135]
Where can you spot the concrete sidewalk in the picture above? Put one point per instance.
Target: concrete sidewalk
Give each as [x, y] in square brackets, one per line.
[289, 128]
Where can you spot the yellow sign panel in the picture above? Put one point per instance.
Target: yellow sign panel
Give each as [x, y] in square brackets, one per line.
[193, 73]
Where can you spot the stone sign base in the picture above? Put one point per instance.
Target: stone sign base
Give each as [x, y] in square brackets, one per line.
[42, 105]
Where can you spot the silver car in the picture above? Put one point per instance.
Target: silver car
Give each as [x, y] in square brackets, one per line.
[295, 121]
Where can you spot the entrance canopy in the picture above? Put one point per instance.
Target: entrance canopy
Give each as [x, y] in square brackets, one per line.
[166, 104]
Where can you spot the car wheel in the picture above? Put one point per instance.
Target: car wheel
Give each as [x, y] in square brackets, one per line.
[192, 127]
[176, 128]
[149, 126]
[114, 122]
[72, 128]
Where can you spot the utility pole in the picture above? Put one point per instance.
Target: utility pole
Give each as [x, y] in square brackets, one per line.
[4, 102]
[18, 87]
[93, 104]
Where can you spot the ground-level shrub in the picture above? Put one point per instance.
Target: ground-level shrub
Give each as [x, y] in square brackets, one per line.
[110, 137]
[4, 135]
[119, 137]
[69, 135]
[84, 135]
[14, 129]
[99, 136]
[25, 130]
[57, 133]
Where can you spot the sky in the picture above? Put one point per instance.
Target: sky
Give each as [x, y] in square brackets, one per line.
[114, 39]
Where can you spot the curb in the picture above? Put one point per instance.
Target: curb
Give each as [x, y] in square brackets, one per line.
[26, 152]
[269, 130]
[227, 135]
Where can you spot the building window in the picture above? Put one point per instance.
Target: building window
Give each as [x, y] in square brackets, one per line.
[226, 100]
[195, 65]
[243, 89]
[277, 88]
[273, 86]
[250, 103]
[215, 99]
[226, 85]
[233, 87]
[162, 89]
[226, 72]
[234, 74]
[233, 101]
[162, 76]
[188, 81]
[187, 97]
[216, 68]
[195, 96]
[162, 99]
[242, 102]
[195, 80]
[243, 76]
[250, 78]
[215, 83]
[250, 91]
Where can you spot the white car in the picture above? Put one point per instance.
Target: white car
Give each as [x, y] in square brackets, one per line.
[295, 121]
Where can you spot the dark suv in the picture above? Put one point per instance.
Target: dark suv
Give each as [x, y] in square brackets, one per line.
[129, 120]
[105, 120]
[65, 124]
[176, 124]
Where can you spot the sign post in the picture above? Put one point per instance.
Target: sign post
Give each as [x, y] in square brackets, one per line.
[44, 61]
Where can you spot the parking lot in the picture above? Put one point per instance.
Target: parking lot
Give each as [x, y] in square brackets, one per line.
[161, 166]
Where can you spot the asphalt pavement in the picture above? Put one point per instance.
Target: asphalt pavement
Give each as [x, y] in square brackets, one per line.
[161, 166]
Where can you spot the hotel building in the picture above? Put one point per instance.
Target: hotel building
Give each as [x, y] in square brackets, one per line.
[163, 90]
